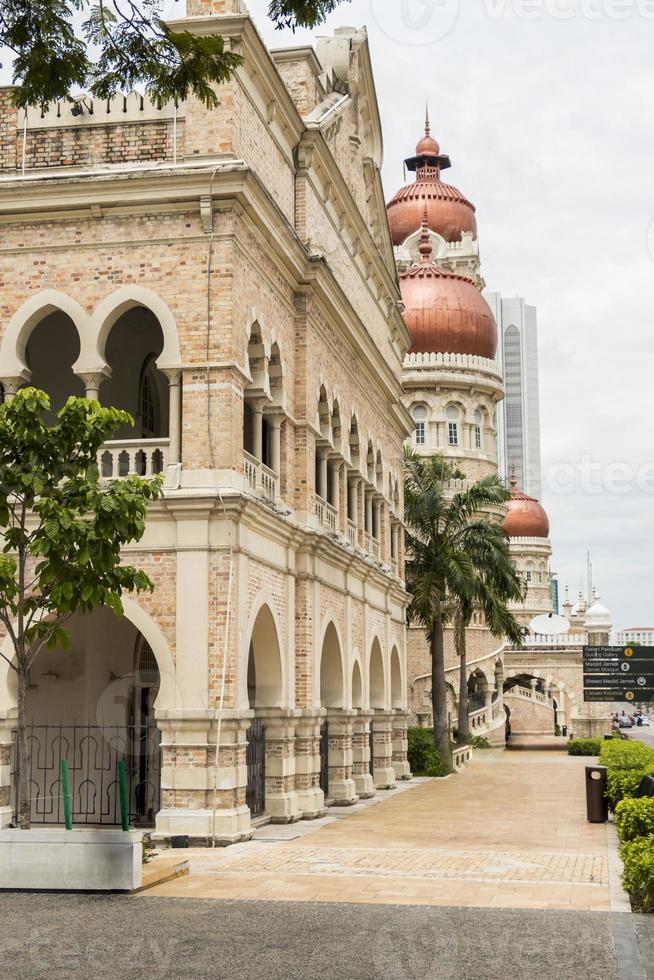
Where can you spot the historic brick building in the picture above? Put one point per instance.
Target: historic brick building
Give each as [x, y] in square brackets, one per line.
[226, 275]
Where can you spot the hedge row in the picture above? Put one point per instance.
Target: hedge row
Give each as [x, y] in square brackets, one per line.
[584, 746]
[627, 762]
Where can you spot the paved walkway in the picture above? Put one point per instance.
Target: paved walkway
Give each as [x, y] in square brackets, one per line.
[508, 832]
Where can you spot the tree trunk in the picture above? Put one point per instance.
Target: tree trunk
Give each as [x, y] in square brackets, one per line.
[439, 694]
[24, 803]
[460, 643]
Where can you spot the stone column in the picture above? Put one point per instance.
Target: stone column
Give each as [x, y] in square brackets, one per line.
[257, 430]
[363, 780]
[323, 475]
[197, 799]
[384, 773]
[174, 416]
[92, 383]
[335, 490]
[7, 723]
[10, 386]
[275, 422]
[369, 511]
[360, 511]
[342, 788]
[400, 746]
[560, 706]
[342, 499]
[282, 802]
[307, 766]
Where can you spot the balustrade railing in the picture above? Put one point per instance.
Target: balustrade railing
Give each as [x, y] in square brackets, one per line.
[352, 533]
[133, 457]
[259, 478]
[372, 546]
[327, 515]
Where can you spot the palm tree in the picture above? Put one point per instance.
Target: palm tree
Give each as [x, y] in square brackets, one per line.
[495, 583]
[449, 540]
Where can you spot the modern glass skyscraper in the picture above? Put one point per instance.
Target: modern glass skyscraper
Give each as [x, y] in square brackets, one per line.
[518, 417]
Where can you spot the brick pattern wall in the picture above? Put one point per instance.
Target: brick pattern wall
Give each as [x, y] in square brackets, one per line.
[8, 127]
[90, 146]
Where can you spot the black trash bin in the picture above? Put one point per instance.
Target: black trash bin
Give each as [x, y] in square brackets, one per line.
[597, 808]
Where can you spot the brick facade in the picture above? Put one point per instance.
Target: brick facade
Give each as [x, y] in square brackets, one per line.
[255, 256]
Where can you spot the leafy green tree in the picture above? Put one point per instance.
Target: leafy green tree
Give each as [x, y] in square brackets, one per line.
[63, 531]
[449, 541]
[123, 43]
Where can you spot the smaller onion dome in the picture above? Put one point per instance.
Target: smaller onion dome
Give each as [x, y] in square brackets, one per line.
[427, 145]
[449, 213]
[598, 617]
[526, 518]
[444, 311]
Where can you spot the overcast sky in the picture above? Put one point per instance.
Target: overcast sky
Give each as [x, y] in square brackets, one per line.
[545, 107]
[546, 111]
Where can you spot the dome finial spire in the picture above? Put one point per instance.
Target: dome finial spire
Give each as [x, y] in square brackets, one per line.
[514, 478]
[425, 241]
[427, 124]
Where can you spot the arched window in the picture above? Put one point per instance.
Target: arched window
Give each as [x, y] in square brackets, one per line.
[452, 416]
[420, 419]
[149, 405]
[477, 429]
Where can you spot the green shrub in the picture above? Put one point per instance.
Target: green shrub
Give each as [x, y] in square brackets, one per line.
[638, 873]
[424, 757]
[479, 742]
[584, 746]
[436, 765]
[625, 754]
[557, 729]
[635, 818]
[622, 784]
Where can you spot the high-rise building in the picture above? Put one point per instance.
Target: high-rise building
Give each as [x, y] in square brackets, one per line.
[518, 416]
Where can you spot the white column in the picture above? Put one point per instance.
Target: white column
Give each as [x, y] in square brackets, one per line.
[376, 519]
[174, 416]
[10, 386]
[352, 498]
[334, 474]
[257, 434]
[368, 498]
[275, 426]
[322, 475]
[92, 382]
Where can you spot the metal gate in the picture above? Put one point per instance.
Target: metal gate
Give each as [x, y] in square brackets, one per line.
[92, 753]
[371, 745]
[255, 758]
[324, 758]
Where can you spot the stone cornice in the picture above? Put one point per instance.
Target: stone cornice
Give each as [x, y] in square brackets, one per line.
[314, 155]
[137, 188]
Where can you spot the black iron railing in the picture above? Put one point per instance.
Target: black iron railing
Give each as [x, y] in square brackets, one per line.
[324, 759]
[255, 758]
[92, 753]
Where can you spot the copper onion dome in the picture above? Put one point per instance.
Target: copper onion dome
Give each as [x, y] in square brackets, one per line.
[526, 518]
[449, 213]
[444, 311]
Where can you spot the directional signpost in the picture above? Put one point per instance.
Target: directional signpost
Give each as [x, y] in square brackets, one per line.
[619, 674]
